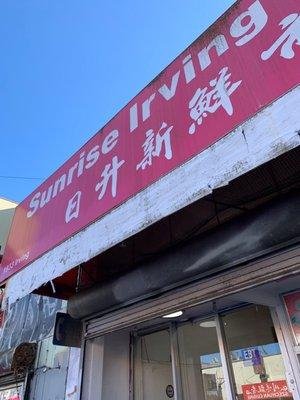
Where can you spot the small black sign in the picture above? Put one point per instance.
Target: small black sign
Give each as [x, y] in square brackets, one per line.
[170, 391]
[67, 331]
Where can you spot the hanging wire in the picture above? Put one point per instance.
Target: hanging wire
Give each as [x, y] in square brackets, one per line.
[20, 177]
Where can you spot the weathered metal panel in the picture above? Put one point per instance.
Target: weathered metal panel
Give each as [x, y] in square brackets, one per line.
[29, 320]
[49, 380]
[271, 268]
[73, 378]
[257, 232]
[269, 134]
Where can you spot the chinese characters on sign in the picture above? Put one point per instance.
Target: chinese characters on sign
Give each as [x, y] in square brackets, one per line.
[110, 172]
[242, 64]
[73, 207]
[204, 102]
[287, 41]
[153, 145]
[266, 390]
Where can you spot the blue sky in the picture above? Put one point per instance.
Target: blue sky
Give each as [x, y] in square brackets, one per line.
[67, 66]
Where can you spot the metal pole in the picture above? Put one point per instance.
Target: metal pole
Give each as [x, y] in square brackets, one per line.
[285, 342]
[225, 359]
[175, 363]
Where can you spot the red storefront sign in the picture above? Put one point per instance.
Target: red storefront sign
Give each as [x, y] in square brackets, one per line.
[245, 61]
[292, 302]
[266, 390]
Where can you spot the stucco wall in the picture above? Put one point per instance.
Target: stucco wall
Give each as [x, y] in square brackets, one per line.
[7, 209]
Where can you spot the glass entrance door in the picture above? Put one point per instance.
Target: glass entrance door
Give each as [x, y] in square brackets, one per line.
[254, 354]
[232, 356]
[153, 371]
[200, 361]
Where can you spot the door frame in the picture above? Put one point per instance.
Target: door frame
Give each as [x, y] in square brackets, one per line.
[172, 327]
[287, 346]
[283, 333]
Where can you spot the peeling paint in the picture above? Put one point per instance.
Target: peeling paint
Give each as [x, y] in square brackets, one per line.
[270, 133]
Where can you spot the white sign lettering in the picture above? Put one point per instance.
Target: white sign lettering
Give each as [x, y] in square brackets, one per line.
[206, 102]
[287, 40]
[110, 172]
[153, 145]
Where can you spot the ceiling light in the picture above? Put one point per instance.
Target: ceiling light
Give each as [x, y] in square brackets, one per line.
[173, 315]
[208, 324]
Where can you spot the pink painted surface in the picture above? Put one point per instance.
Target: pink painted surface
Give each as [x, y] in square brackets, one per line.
[292, 302]
[195, 102]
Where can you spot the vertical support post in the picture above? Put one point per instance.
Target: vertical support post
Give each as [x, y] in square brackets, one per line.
[81, 361]
[131, 365]
[175, 362]
[137, 368]
[286, 344]
[225, 359]
[93, 369]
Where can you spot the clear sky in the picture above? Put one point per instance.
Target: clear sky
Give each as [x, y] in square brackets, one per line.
[67, 66]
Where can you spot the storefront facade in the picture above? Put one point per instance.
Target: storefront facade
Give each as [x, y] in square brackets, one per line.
[232, 333]
[187, 202]
[239, 346]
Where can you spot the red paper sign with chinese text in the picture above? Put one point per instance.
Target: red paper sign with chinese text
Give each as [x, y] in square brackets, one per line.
[266, 390]
[292, 302]
[249, 58]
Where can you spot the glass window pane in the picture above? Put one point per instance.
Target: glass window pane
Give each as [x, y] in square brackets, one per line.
[256, 359]
[200, 362]
[153, 369]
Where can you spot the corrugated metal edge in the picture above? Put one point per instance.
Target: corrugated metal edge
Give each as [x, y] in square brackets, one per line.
[241, 278]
